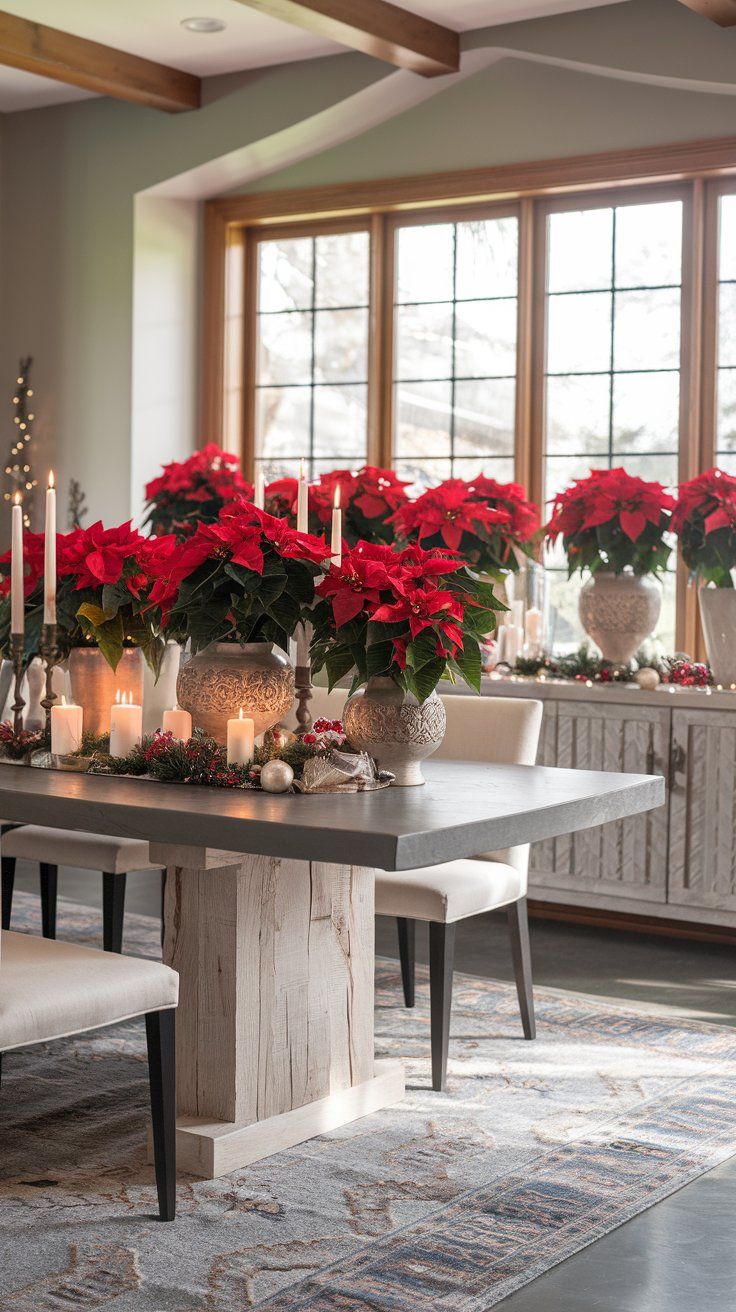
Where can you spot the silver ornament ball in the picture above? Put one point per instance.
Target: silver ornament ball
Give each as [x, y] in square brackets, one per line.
[276, 777]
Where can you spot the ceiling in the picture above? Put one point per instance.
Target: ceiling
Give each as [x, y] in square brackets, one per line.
[151, 29]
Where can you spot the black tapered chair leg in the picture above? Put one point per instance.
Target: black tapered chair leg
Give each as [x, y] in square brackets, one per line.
[441, 960]
[49, 889]
[161, 1041]
[407, 956]
[163, 903]
[522, 958]
[113, 911]
[7, 863]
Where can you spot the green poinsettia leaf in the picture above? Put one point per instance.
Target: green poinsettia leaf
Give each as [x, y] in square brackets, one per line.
[423, 682]
[338, 664]
[94, 615]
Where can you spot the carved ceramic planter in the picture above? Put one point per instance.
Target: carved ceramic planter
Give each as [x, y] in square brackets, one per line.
[718, 616]
[215, 683]
[618, 611]
[94, 684]
[394, 728]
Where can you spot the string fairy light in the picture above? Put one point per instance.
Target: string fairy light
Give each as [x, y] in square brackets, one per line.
[18, 475]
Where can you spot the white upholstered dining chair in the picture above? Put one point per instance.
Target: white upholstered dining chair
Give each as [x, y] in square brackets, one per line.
[114, 858]
[504, 730]
[50, 990]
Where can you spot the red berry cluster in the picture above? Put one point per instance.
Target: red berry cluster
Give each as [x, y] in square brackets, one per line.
[689, 674]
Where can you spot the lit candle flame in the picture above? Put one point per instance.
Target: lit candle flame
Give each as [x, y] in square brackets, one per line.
[51, 478]
[336, 502]
[17, 498]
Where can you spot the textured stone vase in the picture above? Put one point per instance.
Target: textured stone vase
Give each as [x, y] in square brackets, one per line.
[394, 728]
[215, 683]
[718, 616]
[618, 611]
[94, 684]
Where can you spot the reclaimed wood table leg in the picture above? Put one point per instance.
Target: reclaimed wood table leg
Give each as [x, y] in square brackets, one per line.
[275, 1020]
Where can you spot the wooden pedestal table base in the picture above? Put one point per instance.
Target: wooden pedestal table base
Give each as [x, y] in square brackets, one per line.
[275, 1019]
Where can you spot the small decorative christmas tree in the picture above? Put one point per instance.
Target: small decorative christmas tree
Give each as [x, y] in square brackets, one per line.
[18, 473]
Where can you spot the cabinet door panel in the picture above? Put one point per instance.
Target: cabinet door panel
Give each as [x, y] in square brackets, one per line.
[627, 858]
[703, 811]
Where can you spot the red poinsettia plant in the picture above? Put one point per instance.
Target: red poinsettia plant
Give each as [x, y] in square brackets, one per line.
[412, 615]
[461, 517]
[188, 492]
[705, 523]
[101, 597]
[248, 577]
[612, 521]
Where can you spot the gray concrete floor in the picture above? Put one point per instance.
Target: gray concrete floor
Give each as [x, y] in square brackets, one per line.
[678, 1256]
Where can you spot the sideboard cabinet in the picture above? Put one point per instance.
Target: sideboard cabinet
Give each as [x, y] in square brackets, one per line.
[676, 863]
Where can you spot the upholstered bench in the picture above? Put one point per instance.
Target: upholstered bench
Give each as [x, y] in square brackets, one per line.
[52, 848]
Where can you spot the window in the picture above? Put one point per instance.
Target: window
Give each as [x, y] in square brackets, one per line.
[311, 379]
[612, 371]
[726, 372]
[533, 321]
[454, 325]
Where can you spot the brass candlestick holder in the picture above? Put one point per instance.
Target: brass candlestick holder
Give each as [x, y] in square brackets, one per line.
[303, 689]
[50, 657]
[17, 652]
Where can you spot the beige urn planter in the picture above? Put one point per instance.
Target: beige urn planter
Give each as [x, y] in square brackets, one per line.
[618, 611]
[398, 731]
[718, 617]
[222, 678]
[94, 684]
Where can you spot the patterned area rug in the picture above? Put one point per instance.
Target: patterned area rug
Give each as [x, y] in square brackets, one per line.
[443, 1202]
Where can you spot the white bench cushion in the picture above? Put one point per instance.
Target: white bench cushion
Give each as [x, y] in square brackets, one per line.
[65, 847]
[49, 989]
[449, 891]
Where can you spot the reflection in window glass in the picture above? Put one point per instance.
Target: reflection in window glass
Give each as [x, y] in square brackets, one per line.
[726, 379]
[612, 381]
[455, 350]
[312, 353]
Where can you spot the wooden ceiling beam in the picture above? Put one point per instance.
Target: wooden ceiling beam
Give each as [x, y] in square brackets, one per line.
[54, 54]
[722, 12]
[376, 28]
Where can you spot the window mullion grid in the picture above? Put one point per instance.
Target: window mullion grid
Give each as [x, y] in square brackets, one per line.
[453, 366]
[312, 363]
[612, 357]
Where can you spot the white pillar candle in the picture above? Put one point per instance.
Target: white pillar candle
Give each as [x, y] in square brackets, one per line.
[66, 728]
[49, 566]
[336, 544]
[240, 740]
[17, 604]
[126, 725]
[178, 722]
[259, 496]
[517, 614]
[533, 630]
[513, 639]
[302, 502]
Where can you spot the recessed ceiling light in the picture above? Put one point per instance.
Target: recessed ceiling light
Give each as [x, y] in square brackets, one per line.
[203, 24]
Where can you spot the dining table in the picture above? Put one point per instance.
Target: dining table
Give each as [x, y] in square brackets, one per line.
[269, 920]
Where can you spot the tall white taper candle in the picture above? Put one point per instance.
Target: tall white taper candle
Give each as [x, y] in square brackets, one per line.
[259, 495]
[49, 560]
[336, 543]
[17, 615]
[302, 502]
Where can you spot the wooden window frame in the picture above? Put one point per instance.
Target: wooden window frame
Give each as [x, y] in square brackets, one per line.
[698, 172]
